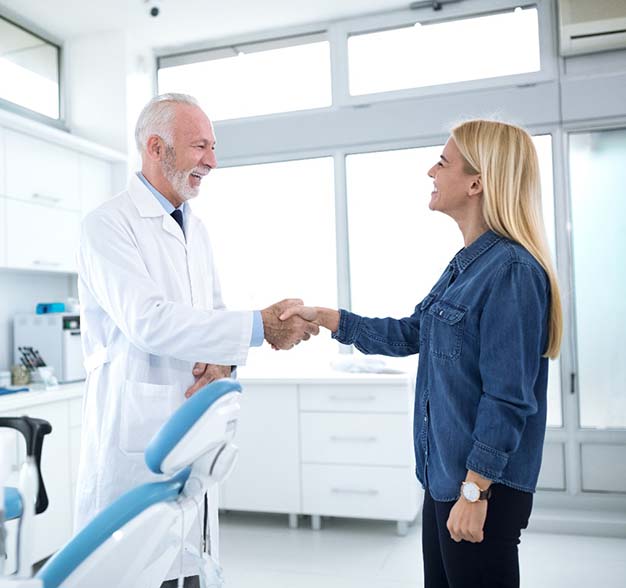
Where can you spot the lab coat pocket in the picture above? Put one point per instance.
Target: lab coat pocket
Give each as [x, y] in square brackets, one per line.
[145, 407]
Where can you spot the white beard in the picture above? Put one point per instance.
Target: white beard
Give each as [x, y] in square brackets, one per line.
[179, 178]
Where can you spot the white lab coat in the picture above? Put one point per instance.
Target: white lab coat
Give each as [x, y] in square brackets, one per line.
[150, 308]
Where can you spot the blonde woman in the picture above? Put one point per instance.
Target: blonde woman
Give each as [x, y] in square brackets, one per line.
[484, 335]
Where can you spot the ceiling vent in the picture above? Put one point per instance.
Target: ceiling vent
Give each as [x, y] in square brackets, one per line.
[589, 26]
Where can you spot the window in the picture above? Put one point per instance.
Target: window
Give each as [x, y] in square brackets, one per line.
[253, 79]
[444, 52]
[399, 247]
[29, 70]
[597, 179]
[273, 232]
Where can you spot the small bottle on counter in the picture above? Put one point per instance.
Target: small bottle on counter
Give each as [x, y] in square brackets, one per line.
[20, 376]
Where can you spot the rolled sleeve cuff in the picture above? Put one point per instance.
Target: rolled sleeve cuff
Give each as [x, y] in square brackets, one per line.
[487, 461]
[349, 326]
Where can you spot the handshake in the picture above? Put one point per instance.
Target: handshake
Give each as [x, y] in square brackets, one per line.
[288, 322]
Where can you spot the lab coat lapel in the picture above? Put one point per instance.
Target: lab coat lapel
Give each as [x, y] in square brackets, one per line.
[149, 207]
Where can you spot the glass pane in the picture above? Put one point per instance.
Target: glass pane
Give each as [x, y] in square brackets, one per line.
[388, 213]
[29, 70]
[444, 52]
[597, 180]
[251, 84]
[543, 144]
[273, 232]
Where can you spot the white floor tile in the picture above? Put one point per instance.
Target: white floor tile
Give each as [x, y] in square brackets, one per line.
[260, 551]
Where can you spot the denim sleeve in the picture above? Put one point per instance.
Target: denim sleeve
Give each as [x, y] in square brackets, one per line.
[513, 329]
[380, 336]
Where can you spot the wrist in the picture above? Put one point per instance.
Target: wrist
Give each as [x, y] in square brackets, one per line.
[329, 319]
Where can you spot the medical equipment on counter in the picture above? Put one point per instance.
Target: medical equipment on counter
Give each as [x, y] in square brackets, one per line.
[49, 340]
[135, 542]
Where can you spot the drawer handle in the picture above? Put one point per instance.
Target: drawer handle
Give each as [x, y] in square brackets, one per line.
[370, 492]
[337, 398]
[354, 439]
[48, 263]
[52, 199]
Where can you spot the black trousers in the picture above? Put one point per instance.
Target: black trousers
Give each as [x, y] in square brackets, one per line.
[494, 562]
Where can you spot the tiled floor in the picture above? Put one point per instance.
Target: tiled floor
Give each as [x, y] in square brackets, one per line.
[260, 551]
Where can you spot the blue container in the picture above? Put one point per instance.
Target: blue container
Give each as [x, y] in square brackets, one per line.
[47, 307]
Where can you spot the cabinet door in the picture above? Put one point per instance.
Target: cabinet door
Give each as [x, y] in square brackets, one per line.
[41, 172]
[53, 527]
[95, 183]
[267, 475]
[41, 238]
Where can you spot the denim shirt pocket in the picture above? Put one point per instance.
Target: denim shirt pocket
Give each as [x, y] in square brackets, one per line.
[446, 333]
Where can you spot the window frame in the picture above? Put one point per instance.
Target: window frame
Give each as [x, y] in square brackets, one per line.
[36, 31]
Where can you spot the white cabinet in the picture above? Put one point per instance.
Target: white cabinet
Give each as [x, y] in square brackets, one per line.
[340, 445]
[39, 237]
[41, 172]
[95, 182]
[357, 450]
[267, 476]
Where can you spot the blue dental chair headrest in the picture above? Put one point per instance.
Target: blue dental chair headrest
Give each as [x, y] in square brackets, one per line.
[170, 438]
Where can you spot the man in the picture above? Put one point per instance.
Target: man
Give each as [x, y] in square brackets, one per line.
[151, 308]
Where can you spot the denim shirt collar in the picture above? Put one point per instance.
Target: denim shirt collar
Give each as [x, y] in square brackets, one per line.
[464, 258]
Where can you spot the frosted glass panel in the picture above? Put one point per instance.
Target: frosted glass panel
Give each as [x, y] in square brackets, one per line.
[399, 247]
[252, 84]
[444, 52]
[29, 70]
[597, 180]
[272, 227]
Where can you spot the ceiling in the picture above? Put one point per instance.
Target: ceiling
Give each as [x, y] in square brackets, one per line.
[185, 21]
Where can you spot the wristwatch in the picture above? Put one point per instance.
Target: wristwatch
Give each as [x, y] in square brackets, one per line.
[472, 493]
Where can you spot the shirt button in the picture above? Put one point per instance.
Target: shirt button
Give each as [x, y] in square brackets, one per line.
[425, 419]
[441, 313]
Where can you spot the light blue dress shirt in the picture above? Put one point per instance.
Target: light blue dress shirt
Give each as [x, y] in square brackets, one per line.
[258, 334]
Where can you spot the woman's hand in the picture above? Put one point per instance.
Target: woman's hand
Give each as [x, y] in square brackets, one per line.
[467, 520]
[324, 317]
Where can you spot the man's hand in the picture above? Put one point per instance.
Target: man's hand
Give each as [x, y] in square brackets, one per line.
[284, 334]
[205, 373]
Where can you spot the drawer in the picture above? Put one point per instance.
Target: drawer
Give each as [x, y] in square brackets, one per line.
[372, 439]
[360, 491]
[356, 398]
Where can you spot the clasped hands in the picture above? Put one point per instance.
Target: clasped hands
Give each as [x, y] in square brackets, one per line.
[285, 324]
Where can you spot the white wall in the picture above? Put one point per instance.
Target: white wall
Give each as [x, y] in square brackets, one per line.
[21, 291]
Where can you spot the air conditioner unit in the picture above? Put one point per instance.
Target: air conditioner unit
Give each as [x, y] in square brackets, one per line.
[589, 26]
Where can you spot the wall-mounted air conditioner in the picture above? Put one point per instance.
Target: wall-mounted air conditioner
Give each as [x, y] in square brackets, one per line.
[588, 26]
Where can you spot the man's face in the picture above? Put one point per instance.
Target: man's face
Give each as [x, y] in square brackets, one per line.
[192, 155]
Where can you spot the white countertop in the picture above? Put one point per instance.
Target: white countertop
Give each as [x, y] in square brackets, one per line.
[39, 396]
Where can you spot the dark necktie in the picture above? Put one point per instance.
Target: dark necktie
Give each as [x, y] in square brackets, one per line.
[177, 215]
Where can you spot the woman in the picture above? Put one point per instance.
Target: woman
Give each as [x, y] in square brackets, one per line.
[484, 334]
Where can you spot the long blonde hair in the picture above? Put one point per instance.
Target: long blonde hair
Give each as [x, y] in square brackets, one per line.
[505, 157]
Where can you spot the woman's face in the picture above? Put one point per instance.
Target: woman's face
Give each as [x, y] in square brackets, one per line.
[453, 187]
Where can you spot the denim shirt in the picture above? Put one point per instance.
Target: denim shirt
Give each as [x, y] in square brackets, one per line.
[480, 401]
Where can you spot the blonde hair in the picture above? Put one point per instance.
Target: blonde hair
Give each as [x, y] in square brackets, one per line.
[505, 157]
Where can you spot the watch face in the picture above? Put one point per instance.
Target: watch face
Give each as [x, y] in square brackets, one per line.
[471, 492]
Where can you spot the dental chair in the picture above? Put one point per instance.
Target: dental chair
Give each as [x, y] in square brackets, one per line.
[143, 535]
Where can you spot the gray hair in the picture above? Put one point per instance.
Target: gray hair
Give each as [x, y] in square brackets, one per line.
[157, 116]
